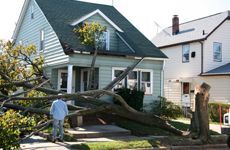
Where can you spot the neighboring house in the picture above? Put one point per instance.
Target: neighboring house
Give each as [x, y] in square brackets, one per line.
[49, 25]
[198, 51]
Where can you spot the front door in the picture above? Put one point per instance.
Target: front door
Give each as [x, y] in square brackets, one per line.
[84, 79]
[63, 80]
[186, 94]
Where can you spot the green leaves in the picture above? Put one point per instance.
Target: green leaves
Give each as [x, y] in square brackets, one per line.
[15, 62]
[89, 33]
[11, 124]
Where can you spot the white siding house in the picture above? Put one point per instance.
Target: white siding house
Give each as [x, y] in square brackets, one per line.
[198, 51]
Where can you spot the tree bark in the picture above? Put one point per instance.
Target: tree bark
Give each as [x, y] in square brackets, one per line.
[202, 98]
[91, 85]
[122, 110]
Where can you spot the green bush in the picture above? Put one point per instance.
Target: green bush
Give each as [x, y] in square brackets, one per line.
[166, 109]
[214, 113]
[11, 125]
[133, 98]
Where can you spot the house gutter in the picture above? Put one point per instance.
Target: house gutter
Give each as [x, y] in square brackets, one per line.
[162, 79]
[202, 57]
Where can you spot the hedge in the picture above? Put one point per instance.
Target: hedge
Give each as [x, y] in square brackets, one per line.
[133, 98]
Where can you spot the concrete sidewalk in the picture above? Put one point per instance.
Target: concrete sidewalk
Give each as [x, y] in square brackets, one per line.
[96, 133]
[39, 143]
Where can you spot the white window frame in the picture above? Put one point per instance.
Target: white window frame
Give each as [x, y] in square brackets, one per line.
[107, 40]
[184, 47]
[41, 41]
[113, 76]
[132, 80]
[217, 53]
[138, 78]
[59, 79]
[105, 36]
[146, 82]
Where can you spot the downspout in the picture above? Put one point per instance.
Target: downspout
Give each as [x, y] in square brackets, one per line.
[202, 57]
[162, 79]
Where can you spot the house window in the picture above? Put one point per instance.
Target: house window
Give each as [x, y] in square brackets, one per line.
[132, 80]
[146, 82]
[104, 41]
[42, 39]
[32, 12]
[121, 84]
[138, 79]
[217, 52]
[185, 53]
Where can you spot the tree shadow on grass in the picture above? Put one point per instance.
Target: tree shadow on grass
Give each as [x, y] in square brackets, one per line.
[81, 146]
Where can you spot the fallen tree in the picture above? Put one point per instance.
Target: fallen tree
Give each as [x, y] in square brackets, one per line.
[19, 71]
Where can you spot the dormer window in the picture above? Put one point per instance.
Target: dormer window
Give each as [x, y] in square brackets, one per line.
[104, 41]
[32, 12]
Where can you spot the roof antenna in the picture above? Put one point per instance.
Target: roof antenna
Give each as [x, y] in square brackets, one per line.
[112, 2]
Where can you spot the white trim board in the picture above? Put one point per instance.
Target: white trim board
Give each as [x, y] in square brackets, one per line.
[101, 14]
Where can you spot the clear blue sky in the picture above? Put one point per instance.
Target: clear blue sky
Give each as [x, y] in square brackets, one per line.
[142, 13]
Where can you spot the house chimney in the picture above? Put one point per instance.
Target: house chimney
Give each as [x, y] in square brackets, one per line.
[175, 25]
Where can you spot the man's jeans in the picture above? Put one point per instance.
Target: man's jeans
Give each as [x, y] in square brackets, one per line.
[58, 124]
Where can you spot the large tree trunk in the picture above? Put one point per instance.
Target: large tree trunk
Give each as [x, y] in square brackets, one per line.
[91, 85]
[122, 110]
[201, 100]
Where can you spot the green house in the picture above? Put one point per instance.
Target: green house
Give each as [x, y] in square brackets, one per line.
[49, 25]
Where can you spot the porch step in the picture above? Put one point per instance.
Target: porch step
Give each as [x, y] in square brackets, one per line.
[98, 131]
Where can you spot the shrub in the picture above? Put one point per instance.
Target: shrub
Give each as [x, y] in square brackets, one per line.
[166, 109]
[133, 98]
[11, 125]
[214, 113]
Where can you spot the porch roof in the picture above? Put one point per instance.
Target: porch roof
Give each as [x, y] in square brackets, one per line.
[222, 70]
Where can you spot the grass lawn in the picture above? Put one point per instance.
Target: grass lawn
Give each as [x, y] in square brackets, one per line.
[140, 129]
[116, 145]
[143, 141]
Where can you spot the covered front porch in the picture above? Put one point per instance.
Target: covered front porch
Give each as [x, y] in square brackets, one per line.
[73, 78]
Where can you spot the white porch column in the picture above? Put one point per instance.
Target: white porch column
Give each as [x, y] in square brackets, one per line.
[70, 79]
